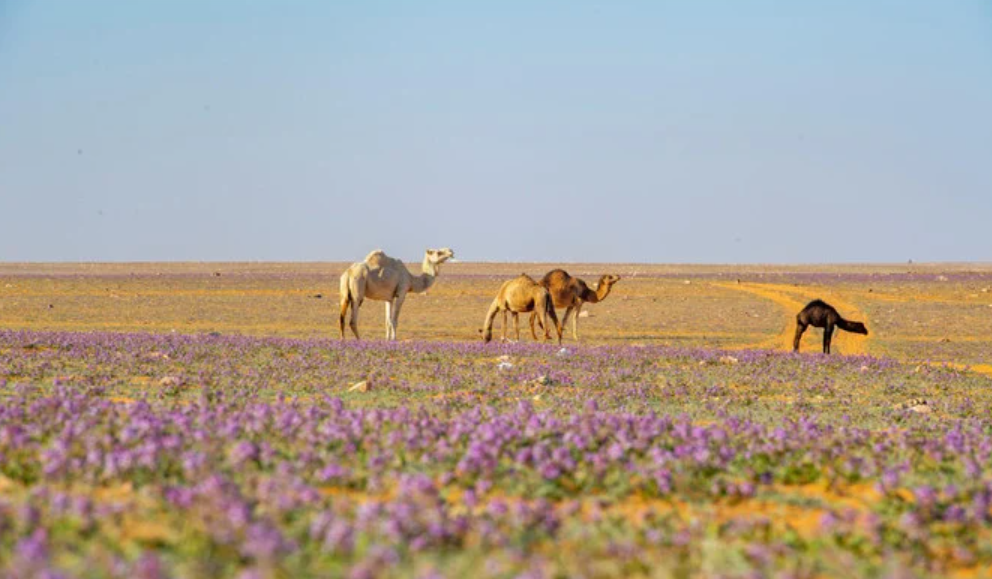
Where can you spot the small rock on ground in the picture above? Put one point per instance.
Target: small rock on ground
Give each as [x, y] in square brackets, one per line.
[919, 405]
[362, 386]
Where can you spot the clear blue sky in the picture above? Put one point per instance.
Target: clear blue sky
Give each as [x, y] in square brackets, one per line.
[691, 131]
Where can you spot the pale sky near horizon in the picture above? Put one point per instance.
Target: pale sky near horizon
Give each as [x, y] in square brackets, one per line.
[692, 131]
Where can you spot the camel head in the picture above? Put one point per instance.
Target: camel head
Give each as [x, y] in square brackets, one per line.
[608, 280]
[858, 328]
[438, 256]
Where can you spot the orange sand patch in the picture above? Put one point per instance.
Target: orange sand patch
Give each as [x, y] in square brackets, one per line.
[122, 399]
[860, 496]
[7, 485]
[980, 368]
[970, 572]
[779, 510]
[781, 513]
[447, 395]
[951, 338]
[146, 531]
[804, 521]
[917, 297]
[119, 492]
[355, 495]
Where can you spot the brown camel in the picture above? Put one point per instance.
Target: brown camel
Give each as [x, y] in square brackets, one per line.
[383, 278]
[521, 295]
[571, 293]
[820, 314]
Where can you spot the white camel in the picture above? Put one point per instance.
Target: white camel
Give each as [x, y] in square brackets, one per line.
[383, 278]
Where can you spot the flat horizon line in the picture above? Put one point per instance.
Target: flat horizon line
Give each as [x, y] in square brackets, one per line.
[532, 262]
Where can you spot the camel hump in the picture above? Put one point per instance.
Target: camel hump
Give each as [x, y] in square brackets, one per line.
[555, 277]
[375, 255]
[379, 259]
[818, 303]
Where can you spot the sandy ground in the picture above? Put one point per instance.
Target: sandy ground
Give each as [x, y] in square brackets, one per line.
[917, 312]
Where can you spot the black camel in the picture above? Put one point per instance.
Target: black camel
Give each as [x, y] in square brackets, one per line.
[820, 314]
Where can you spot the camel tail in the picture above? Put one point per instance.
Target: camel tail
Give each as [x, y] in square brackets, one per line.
[549, 312]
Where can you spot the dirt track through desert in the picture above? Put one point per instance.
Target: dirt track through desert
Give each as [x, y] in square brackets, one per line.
[792, 299]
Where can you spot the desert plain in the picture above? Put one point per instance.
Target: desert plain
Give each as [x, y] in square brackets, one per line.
[205, 419]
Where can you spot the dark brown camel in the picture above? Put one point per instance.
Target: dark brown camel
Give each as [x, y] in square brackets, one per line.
[571, 293]
[820, 314]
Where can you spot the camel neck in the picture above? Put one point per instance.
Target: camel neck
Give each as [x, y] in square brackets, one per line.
[846, 325]
[602, 290]
[421, 283]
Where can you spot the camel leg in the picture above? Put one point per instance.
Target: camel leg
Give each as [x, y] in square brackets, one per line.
[554, 320]
[389, 319]
[397, 304]
[541, 321]
[827, 334]
[575, 321]
[569, 311]
[345, 302]
[800, 328]
[356, 291]
[544, 323]
[516, 324]
[353, 323]
[505, 321]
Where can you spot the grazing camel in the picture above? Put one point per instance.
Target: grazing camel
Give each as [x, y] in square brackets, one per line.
[386, 279]
[820, 314]
[571, 293]
[521, 295]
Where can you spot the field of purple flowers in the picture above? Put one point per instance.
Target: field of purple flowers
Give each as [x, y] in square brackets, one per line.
[142, 455]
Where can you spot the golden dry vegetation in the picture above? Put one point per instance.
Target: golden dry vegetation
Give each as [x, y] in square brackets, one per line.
[933, 313]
